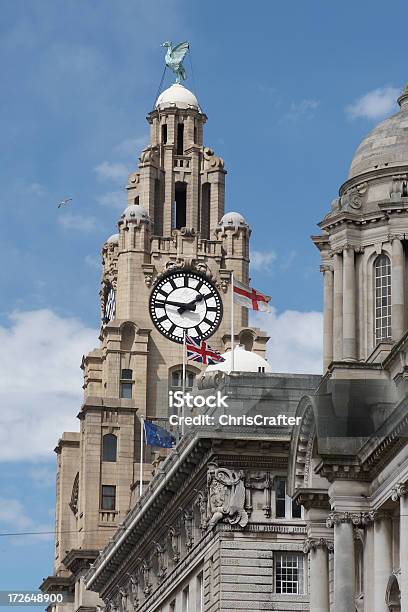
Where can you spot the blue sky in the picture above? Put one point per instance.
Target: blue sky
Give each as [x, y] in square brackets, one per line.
[290, 89]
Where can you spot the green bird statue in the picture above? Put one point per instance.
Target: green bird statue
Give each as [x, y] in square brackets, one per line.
[174, 58]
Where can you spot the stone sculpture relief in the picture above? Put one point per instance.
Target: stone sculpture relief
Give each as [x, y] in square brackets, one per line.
[226, 496]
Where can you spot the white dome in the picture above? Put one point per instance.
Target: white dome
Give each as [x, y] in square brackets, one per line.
[233, 219]
[177, 95]
[244, 361]
[136, 213]
[114, 239]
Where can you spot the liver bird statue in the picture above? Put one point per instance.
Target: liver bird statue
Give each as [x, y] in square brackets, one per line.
[174, 58]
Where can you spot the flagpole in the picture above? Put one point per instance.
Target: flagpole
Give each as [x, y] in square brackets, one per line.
[232, 323]
[141, 457]
[184, 382]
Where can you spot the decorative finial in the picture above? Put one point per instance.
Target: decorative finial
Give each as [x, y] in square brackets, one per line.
[174, 58]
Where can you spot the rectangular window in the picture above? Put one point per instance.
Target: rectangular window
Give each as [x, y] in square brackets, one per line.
[180, 138]
[164, 134]
[289, 573]
[285, 507]
[108, 497]
[186, 599]
[200, 593]
[280, 498]
[126, 388]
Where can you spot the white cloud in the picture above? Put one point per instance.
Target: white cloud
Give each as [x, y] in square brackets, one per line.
[43, 476]
[375, 104]
[296, 340]
[304, 108]
[113, 199]
[14, 519]
[262, 261]
[93, 261]
[112, 171]
[81, 223]
[40, 381]
[132, 146]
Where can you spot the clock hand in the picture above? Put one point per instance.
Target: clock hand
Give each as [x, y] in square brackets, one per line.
[191, 305]
[171, 303]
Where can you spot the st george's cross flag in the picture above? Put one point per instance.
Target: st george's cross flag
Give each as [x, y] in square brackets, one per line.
[250, 298]
[199, 350]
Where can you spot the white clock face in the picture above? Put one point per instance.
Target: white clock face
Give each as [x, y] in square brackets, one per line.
[185, 301]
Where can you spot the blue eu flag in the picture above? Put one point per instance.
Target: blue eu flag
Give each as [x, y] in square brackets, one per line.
[157, 436]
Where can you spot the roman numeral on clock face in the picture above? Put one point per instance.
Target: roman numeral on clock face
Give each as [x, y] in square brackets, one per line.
[185, 301]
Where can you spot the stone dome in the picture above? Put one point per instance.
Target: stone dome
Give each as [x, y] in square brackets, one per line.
[177, 96]
[386, 146]
[114, 239]
[233, 219]
[136, 213]
[244, 361]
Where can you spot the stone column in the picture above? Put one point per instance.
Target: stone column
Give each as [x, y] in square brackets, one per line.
[401, 493]
[327, 315]
[382, 559]
[349, 305]
[397, 290]
[337, 306]
[319, 573]
[344, 561]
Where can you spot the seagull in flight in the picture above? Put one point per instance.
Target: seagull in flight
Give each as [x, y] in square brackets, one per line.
[64, 202]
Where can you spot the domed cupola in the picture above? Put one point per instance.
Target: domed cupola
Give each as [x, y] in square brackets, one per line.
[386, 146]
[233, 220]
[244, 361]
[177, 96]
[364, 248]
[135, 214]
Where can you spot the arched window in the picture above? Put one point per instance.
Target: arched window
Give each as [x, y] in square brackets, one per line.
[382, 266]
[109, 447]
[177, 380]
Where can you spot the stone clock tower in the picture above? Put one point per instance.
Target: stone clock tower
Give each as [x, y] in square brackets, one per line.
[174, 220]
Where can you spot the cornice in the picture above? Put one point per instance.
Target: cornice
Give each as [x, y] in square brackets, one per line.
[372, 175]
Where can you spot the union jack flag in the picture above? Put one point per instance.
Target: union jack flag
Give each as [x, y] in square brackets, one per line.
[198, 350]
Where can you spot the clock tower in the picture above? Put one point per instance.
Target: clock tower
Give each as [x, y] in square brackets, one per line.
[174, 225]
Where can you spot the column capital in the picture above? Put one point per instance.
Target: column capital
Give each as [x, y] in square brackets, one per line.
[393, 237]
[336, 518]
[312, 544]
[401, 490]
[372, 516]
[326, 268]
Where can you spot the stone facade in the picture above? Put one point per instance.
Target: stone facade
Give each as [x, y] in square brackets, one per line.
[312, 517]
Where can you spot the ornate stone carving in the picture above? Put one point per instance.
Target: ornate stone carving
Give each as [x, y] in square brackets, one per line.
[226, 496]
[133, 587]
[260, 481]
[134, 178]
[399, 187]
[336, 518]
[201, 503]
[145, 569]
[399, 491]
[188, 528]
[311, 544]
[212, 161]
[160, 555]
[122, 599]
[174, 540]
[150, 155]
